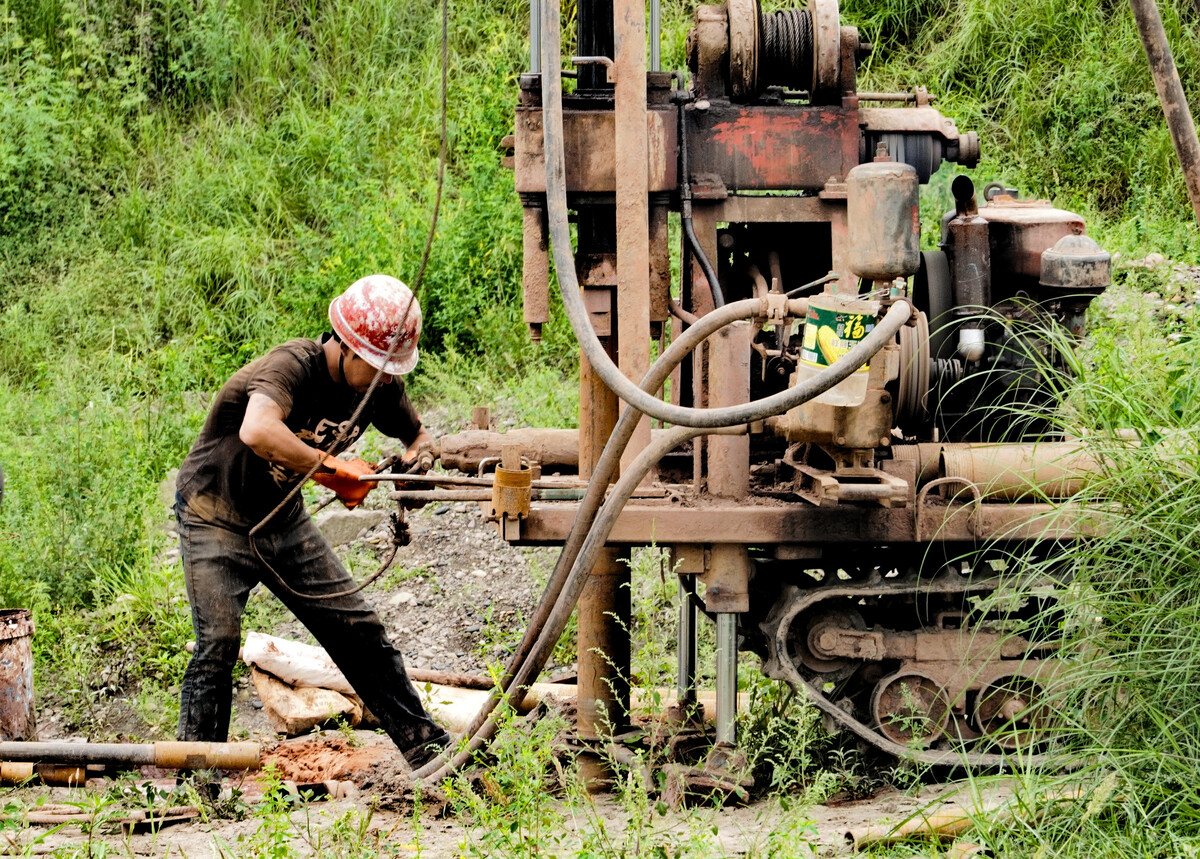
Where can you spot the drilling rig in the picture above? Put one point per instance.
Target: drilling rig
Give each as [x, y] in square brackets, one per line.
[854, 457]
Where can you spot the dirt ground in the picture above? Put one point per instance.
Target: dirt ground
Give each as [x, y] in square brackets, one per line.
[454, 586]
[821, 830]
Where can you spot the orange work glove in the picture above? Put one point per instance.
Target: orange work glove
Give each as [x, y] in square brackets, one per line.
[342, 477]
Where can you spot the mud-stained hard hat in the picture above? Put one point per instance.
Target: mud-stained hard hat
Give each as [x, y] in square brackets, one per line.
[367, 316]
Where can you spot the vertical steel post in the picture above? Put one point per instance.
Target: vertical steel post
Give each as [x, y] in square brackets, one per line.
[535, 37]
[1170, 93]
[603, 642]
[633, 203]
[685, 650]
[727, 678]
[727, 576]
[603, 646]
[656, 35]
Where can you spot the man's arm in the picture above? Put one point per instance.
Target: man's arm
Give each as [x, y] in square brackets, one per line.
[265, 433]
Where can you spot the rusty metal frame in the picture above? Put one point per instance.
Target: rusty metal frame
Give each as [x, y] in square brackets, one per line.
[766, 523]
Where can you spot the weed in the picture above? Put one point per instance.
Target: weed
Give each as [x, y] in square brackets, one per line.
[511, 804]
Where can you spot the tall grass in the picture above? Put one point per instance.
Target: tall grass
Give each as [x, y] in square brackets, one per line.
[1125, 702]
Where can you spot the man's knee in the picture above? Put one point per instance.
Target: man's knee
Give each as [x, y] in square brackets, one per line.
[219, 645]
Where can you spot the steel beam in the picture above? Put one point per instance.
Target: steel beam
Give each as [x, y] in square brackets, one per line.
[767, 523]
[603, 646]
[633, 205]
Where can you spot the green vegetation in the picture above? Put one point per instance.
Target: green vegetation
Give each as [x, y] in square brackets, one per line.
[1061, 95]
[183, 184]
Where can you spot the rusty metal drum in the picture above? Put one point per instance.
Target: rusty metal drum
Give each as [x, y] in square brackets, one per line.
[17, 717]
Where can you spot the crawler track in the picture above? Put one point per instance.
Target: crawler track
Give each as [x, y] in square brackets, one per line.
[790, 658]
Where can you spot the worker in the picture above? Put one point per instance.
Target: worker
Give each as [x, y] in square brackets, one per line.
[272, 423]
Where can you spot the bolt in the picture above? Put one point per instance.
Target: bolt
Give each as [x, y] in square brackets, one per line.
[884, 441]
[885, 398]
[840, 441]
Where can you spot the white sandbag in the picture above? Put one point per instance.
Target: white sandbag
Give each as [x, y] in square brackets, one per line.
[294, 663]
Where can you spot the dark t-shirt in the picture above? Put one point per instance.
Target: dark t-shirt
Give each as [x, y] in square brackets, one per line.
[224, 482]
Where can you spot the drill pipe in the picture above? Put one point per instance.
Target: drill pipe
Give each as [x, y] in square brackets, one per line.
[169, 755]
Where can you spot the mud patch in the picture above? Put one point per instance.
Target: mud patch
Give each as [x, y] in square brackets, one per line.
[328, 759]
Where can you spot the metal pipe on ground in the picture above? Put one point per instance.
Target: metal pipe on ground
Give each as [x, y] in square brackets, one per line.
[169, 755]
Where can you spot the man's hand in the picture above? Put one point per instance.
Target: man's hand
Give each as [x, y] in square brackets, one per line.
[421, 453]
[342, 475]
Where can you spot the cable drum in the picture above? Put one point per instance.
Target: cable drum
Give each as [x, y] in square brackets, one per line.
[787, 49]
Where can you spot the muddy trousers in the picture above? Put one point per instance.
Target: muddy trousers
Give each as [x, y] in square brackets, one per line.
[220, 569]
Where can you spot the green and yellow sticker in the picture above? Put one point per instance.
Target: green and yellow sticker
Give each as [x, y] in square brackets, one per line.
[830, 334]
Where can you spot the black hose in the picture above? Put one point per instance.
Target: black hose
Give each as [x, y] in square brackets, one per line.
[685, 213]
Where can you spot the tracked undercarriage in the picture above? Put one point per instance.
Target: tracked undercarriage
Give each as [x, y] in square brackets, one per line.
[908, 664]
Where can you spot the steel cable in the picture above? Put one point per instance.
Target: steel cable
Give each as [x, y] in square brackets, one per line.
[787, 48]
[443, 151]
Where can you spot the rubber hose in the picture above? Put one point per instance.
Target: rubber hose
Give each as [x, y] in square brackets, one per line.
[589, 344]
[685, 214]
[556, 622]
[602, 475]
[701, 257]
[684, 316]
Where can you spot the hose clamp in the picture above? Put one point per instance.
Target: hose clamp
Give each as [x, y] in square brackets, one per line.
[776, 307]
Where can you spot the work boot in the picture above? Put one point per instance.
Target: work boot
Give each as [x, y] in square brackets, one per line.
[423, 753]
